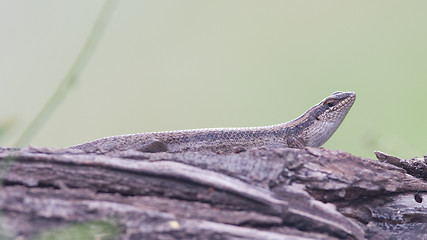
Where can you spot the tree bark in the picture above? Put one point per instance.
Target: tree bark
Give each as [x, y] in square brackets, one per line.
[310, 193]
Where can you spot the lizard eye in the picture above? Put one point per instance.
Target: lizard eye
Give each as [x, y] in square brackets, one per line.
[330, 102]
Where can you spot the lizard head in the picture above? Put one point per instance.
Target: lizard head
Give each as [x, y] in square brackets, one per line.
[335, 107]
[327, 117]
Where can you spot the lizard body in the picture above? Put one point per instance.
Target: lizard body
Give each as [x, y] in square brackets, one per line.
[313, 129]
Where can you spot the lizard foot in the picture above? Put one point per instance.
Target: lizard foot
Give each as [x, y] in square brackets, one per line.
[294, 142]
[153, 146]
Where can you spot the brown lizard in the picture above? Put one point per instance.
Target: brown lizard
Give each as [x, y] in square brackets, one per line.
[311, 129]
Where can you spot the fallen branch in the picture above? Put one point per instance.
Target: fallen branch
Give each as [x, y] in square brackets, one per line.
[310, 193]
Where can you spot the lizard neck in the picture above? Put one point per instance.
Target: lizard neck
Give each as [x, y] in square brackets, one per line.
[320, 122]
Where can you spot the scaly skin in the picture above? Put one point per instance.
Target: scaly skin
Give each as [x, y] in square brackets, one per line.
[311, 129]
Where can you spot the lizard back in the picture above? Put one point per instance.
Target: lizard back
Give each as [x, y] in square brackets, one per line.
[313, 128]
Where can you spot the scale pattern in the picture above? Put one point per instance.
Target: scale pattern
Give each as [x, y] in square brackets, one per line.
[313, 128]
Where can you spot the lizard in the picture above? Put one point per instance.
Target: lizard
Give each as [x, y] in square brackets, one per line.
[312, 129]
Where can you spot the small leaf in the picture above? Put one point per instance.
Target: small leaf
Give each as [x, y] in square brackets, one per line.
[99, 230]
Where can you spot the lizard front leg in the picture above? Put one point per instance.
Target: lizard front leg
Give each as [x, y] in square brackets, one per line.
[295, 142]
[153, 146]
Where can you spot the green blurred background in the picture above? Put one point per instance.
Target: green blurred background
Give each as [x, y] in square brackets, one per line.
[167, 65]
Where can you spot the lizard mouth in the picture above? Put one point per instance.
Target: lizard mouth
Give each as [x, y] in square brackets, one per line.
[346, 102]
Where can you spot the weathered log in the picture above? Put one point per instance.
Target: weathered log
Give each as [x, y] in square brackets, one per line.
[307, 193]
[416, 167]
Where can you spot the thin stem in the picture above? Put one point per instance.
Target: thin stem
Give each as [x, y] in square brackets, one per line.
[73, 74]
